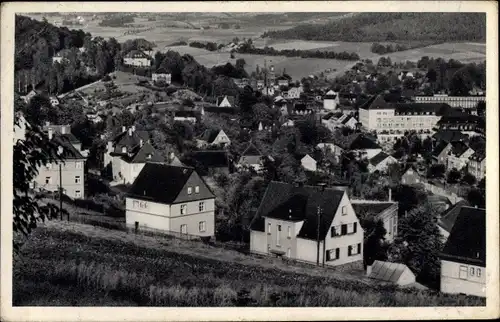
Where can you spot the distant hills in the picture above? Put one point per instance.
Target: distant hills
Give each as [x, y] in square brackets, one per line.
[439, 27]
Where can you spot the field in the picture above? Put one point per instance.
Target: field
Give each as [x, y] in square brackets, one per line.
[80, 265]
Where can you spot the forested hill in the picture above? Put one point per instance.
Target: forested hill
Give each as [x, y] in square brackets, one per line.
[439, 27]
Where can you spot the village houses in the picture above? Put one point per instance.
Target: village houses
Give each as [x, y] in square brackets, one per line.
[214, 137]
[331, 100]
[380, 162]
[357, 143]
[286, 224]
[251, 158]
[172, 199]
[137, 58]
[458, 155]
[162, 75]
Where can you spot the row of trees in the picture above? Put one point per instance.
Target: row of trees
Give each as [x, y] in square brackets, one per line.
[405, 26]
[120, 21]
[380, 49]
[210, 46]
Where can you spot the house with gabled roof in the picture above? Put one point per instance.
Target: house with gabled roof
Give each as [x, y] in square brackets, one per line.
[225, 101]
[70, 172]
[463, 259]
[173, 200]
[459, 155]
[447, 218]
[128, 153]
[412, 177]
[380, 162]
[440, 152]
[331, 100]
[347, 120]
[308, 163]
[385, 211]
[294, 221]
[210, 160]
[162, 75]
[358, 143]
[214, 137]
[137, 58]
[251, 158]
[477, 165]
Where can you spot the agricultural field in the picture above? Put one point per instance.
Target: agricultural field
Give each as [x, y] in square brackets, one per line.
[63, 259]
[464, 52]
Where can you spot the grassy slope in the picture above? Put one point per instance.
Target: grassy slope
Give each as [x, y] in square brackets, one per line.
[69, 264]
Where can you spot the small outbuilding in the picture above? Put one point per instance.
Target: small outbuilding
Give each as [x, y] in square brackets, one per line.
[396, 273]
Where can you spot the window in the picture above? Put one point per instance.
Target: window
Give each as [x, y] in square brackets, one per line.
[478, 271]
[463, 272]
[77, 179]
[472, 273]
[344, 210]
[289, 232]
[183, 209]
[124, 149]
[197, 189]
[202, 226]
[269, 228]
[190, 190]
[354, 227]
[78, 194]
[343, 230]
[333, 232]
[354, 249]
[201, 206]
[184, 229]
[289, 252]
[332, 254]
[78, 165]
[278, 235]
[48, 180]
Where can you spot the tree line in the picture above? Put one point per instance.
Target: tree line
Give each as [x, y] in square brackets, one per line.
[404, 26]
[120, 21]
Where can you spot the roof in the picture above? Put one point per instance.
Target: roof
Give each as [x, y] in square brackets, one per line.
[458, 148]
[251, 150]
[376, 208]
[478, 156]
[211, 159]
[381, 156]
[299, 203]
[439, 148]
[136, 54]
[356, 141]
[69, 152]
[387, 271]
[347, 119]
[210, 135]
[162, 183]
[189, 113]
[143, 154]
[449, 216]
[328, 116]
[467, 240]
[390, 101]
[230, 99]
[449, 136]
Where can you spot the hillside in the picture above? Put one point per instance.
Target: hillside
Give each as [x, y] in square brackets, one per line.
[75, 264]
[439, 27]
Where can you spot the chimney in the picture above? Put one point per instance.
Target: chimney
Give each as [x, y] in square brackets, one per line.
[390, 195]
[50, 133]
[171, 156]
[368, 270]
[130, 132]
[124, 129]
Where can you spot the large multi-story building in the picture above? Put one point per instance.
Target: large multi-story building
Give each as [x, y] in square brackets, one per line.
[477, 165]
[171, 199]
[137, 58]
[453, 101]
[391, 120]
[286, 224]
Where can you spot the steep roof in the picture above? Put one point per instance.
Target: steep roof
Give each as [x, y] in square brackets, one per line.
[387, 271]
[458, 148]
[376, 208]
[136, 54]
[439, 148]
[210, 135]
[69, 151]
[230, 99]
[467, 240]
[347, 119]
[162, 183]
[251, 150]
[478, 156]
[449, 136]
[381, 156]
[296, 203]
[449, 216]
[356, 141]
[188, 113]
[143, 154]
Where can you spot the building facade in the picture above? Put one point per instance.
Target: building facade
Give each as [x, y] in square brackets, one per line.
[477, 165]
[172, 199]
[137, 58]
[453, 101]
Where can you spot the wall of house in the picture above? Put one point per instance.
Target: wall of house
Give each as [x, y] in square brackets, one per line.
[382, 166]
[469, 283]
[282, 241]
[137, 61]
[453, 101]
[258, 242]
[343, 242]
[459, 162]
[69, 171]
[477, 169]
[221, 138]
[192, 221]
[330, 104]
[308, 164]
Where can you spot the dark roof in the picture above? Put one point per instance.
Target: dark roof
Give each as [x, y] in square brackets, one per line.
[375, 102]
[449, 216]
[381, 156]
[375, 208]
[347, 119]
[478, 156]
[162, 183]
[69, 151]
[458, 148]
[356, 141]
[467, 240]
[251, 150]
[449, 136]
[143, 154]
[136, 54]
[296, 203]
[211, 159]
[328, 116]
[439, 148]
[129, 141]
[437, 108]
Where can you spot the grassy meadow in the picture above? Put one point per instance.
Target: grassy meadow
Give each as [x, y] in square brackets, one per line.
[80, 265]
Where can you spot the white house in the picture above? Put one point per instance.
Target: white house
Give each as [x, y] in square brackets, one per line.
[308, 163]
[128, 153]
[161, 74]
[348, 121]
[477, 165]
[331, 100]
[294, 92]
[225, 101]
[381, 162]
[137, 58]
[286, 225]
[357, 143]
[385, 211]
[458, 155]
[172, 199]
[251, 158]
[463, 259]
[214, 137]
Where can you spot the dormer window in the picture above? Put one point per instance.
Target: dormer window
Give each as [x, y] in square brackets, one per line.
[189, 190]
[149, 156]
[197, 189]
[124, 149]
